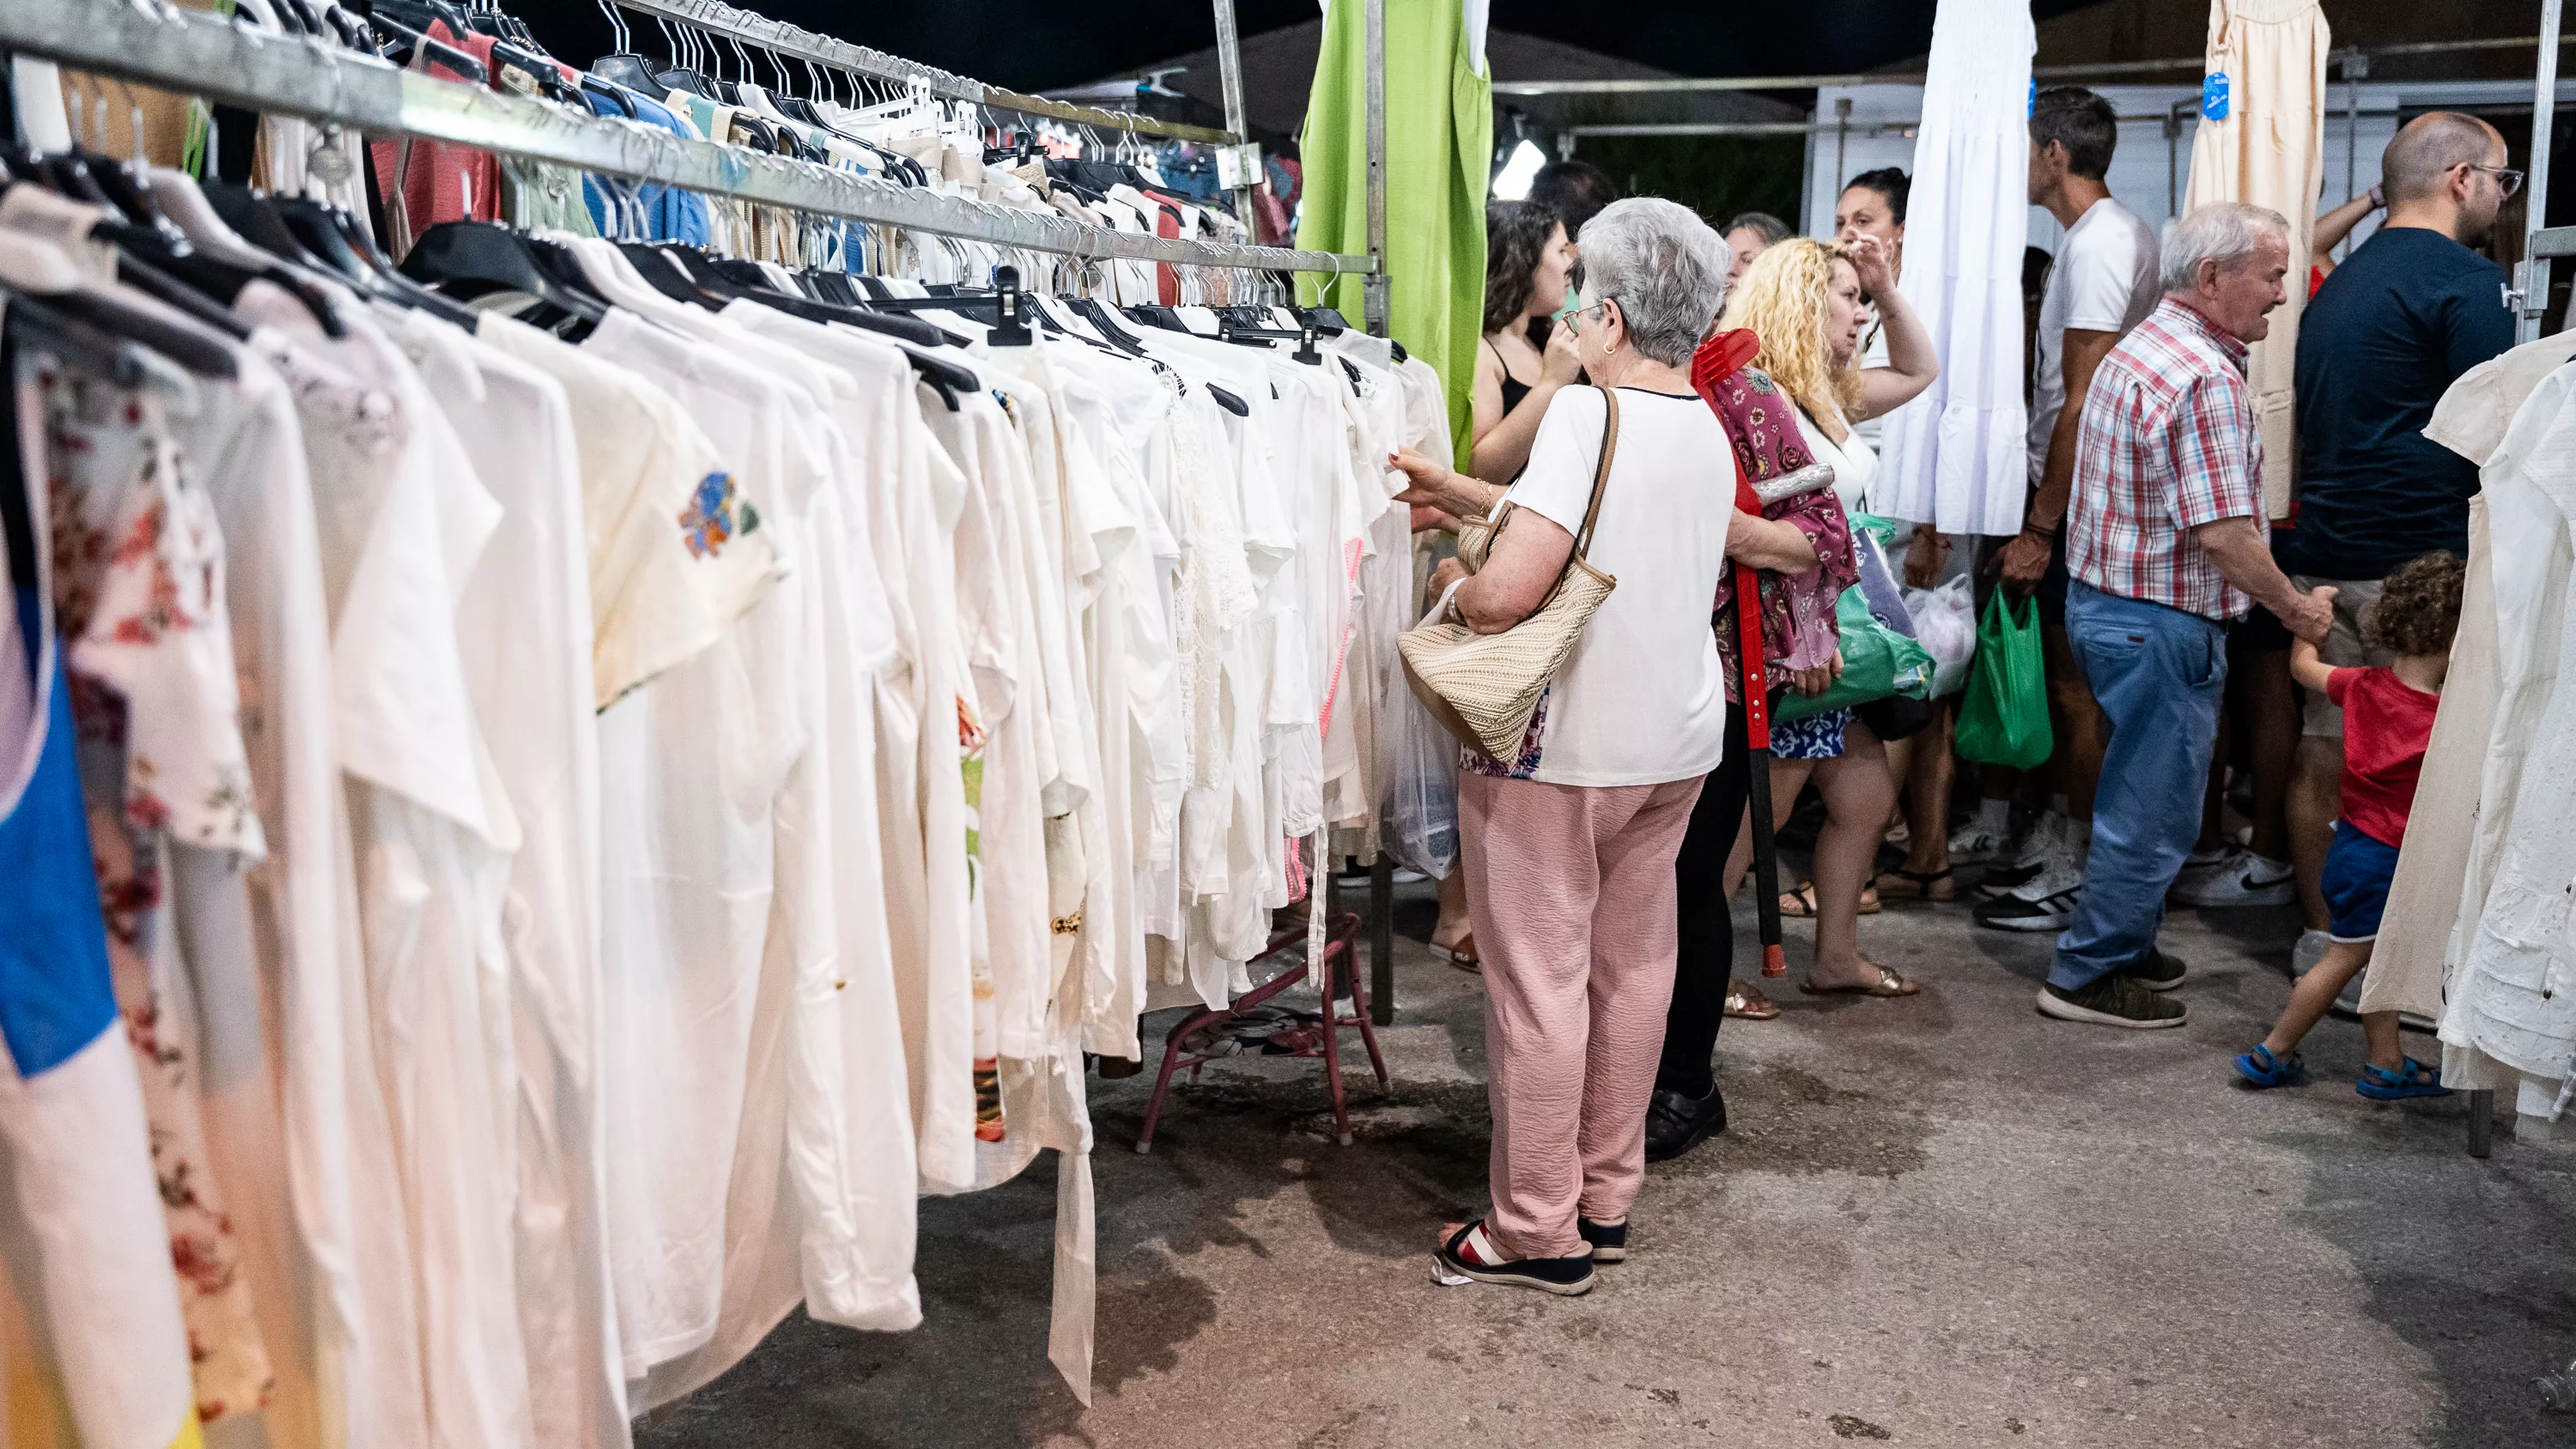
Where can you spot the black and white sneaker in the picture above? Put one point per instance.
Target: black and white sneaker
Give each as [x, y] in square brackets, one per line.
[2046, 844]
[2044, 903]
[1609, 1240]
[1471, 1257]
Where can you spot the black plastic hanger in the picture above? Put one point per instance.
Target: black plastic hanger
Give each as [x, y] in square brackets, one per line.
[467, 259]
[732, 277]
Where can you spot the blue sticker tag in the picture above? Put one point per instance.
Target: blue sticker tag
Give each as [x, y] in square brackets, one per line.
[2213, 95]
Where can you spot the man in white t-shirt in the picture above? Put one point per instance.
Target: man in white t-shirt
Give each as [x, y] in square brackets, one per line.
[2102, 284]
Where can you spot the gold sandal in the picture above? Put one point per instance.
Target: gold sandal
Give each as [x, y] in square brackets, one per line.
[1746, 1004]
[1889, 983]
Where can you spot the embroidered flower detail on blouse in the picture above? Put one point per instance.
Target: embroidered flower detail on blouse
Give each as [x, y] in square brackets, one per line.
[708, 522]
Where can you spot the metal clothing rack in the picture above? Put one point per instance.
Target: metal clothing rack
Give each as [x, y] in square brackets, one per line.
[194, 53]
[779, 37]
[190, 52]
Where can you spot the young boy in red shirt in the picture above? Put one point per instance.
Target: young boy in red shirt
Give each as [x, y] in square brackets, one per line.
[2388, 718]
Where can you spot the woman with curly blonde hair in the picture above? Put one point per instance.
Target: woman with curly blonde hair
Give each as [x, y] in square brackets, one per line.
[1808, 301]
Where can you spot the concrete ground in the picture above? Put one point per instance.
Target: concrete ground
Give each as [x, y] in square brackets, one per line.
[1938, 1221]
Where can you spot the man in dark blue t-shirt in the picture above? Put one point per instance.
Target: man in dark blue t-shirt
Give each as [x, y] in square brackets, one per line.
[2408, 312]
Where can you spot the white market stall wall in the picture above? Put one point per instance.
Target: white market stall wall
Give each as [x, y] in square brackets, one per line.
[2139, 176]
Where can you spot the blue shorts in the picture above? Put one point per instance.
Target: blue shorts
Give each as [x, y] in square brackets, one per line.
[2355, 883]
[1817, 737]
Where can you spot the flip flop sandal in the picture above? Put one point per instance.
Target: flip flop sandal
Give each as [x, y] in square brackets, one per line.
[1462, 954]
[1747, 1004]
[1889, 983]
[1901, 884]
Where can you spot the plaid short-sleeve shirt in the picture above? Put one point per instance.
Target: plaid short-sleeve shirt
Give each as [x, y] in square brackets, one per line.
[2167, 443]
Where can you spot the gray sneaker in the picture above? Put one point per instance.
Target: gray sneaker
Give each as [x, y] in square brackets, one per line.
[2156, 970]
[2112, 999]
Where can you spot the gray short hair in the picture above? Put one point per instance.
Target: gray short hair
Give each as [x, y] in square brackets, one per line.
[1664, 267]
[2225, 232]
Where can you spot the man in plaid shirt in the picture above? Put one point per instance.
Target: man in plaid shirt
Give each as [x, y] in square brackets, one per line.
[2164, 545]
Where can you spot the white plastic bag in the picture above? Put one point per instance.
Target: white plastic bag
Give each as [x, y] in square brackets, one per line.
[1945, 622]
[1423, 816]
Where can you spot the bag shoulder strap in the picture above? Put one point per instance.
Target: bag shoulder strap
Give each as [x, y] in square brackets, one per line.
[1601, 472]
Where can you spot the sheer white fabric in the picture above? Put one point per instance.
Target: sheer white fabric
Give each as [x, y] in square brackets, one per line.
[1954, 455]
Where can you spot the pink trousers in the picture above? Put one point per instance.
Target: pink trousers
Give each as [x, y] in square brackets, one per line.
[1571, 890]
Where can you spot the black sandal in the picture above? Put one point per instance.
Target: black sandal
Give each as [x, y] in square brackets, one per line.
[1916, 885]
[1609, 1240]
[1463, 1260]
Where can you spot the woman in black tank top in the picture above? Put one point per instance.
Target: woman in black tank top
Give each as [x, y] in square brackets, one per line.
[1529, 268]
[1513, 388]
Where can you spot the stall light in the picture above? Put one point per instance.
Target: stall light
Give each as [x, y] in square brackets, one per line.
[1512, 183]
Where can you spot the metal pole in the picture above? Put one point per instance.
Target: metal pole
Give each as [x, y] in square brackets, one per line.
[1842, 136]
[2173, 160]
[2355, 66]
[1229, 65]
[2544, 107]
[1376, 312]
[1373, 290]
[1382, 940]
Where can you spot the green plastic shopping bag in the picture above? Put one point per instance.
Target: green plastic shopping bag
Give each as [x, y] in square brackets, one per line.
[1878, 663]
[2003, 717]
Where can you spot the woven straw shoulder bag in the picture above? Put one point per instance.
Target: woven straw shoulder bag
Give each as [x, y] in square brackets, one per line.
[1483, 688]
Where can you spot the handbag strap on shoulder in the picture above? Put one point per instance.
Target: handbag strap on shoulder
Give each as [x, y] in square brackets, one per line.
[1600, 473]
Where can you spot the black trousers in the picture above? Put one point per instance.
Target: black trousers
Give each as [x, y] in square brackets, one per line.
[1707, 955]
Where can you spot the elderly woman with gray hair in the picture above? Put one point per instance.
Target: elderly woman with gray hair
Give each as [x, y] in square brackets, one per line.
[1569, 844]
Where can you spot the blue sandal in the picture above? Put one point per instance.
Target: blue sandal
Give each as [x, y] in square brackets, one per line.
[2412, 1080]
[2260, 1068]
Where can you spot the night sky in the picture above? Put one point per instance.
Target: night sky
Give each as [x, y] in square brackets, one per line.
[1033, 44]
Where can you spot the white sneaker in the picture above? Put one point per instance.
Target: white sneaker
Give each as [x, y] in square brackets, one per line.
[2045, 902]
[1974, 844]
[2244, 879]
[2047, 841]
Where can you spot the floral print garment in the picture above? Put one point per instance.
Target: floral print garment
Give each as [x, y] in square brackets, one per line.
[1797, 610]
[139, 590]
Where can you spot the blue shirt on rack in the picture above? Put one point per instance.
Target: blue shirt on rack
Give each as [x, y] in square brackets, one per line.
[667, 213]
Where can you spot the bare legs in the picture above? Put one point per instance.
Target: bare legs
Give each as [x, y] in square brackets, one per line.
[2314, 996]
[1927, 780]
[1453, 924]
[1858, 793]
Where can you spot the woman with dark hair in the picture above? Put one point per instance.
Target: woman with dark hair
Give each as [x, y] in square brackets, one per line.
[1528, 267]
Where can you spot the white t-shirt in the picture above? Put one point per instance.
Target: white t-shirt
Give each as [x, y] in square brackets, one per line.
[1643, 700]
[2104, 281]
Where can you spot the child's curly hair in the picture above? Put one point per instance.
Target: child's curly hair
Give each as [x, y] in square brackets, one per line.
[2419, 606]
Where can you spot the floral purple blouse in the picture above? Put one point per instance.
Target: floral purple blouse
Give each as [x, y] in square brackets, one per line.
[1798, 628]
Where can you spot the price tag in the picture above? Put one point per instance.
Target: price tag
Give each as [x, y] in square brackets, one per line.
[2214, 96]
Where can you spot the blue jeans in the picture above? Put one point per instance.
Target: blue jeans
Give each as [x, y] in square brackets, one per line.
[2159, 674]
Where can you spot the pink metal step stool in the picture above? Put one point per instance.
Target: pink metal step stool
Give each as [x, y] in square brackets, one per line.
[1340, 964]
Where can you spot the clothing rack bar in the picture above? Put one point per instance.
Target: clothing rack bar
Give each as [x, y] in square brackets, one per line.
[157, 44]
[2046, 73]
[781, 38]
[1375, 300]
